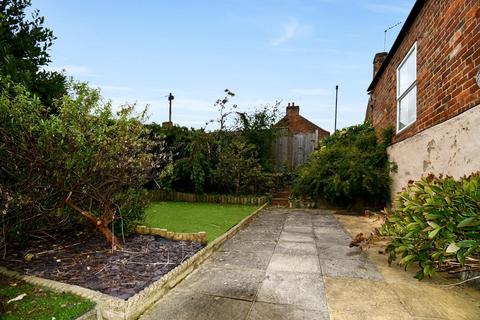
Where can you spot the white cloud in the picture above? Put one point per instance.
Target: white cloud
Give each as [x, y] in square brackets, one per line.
[312, 92]
[290, 31]
[72, 70]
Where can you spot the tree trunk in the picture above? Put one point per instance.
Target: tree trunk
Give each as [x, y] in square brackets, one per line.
[100, 224]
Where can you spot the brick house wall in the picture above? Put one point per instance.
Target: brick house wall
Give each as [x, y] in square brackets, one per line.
[447, 33]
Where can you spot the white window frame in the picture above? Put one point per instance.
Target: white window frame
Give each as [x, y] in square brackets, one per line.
[412, 50]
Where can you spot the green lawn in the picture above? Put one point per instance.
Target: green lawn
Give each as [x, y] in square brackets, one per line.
[214, 219]
[38, 304]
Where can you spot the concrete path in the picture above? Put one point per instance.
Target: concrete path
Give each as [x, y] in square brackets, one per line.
[296, 264]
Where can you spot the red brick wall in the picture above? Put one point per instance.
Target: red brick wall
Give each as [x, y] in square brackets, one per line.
[447, 33]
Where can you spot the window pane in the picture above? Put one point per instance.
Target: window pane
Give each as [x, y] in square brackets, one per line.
[407, 109]
[407, 72]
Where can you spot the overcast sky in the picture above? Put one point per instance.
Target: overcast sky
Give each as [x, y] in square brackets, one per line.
[288, 50]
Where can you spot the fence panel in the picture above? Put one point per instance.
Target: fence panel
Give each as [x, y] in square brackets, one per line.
[293, 149]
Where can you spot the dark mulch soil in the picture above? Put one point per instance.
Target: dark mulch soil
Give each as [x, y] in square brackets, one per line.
[84, 259]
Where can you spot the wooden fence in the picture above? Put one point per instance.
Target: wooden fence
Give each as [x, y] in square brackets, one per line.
[293, 149]
[162, 195]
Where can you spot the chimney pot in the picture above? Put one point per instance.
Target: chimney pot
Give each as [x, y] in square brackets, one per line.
[293, 110]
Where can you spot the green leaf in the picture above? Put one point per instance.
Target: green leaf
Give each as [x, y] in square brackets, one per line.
[431, 216]
[407, 259]
[452, 248]
[433, 224]
[469, 222]
[467, 243]
[427, 270]
[433, 233]
[461, 257]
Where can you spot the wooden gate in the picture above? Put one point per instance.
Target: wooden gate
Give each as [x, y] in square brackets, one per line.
[291, 149]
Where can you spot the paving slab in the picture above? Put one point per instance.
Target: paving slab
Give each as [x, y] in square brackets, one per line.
[298, 220]
[294, 263]
[249, 260]
[332, 240]
[273, 216]
[268, 225]
[329, 251]
[350, 268]
[325, 220]
[296, 237]
[271, 311]
[363, 299]
[424, 300]
[249, 245]
[329, 230]
[235, 283]
[327, 223]
[264, 235]
[296, 248]
[298, 229]
[299, 289]
[183, 305]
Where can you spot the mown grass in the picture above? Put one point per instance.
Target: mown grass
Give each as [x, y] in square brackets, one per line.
[214, 219]
[38, 304]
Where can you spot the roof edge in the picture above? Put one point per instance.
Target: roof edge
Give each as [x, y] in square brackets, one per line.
[417, 7]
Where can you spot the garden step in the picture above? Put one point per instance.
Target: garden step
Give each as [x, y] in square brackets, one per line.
[283, 194]
[280, 201]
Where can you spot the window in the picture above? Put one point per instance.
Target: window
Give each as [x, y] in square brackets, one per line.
[407, 90]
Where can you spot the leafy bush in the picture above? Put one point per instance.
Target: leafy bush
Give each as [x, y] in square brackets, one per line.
[233, 160]
[436, 223]
[237, 170]
[350, 167]
[84, 162]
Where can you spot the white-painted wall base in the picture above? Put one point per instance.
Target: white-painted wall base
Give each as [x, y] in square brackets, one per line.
[450, 148]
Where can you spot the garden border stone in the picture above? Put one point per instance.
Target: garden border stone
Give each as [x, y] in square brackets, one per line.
[200, 237]
[112, 308]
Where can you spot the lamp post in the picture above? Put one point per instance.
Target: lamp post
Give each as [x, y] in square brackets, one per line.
[170, 99]
[336, 103]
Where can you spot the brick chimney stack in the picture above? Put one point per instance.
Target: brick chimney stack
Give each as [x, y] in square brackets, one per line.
[377, 61]
[292, 110]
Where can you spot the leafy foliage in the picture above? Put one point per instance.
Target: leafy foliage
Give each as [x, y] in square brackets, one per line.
[228, 160]
[24, 46]
[85, 157]
[436, 223]
[237, 170]
[350, 166]
[256, 128]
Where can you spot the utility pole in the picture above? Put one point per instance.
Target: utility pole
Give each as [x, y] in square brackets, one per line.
[336, 103]
[170, 99]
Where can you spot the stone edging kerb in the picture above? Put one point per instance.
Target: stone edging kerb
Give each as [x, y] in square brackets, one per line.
[112, 308]
[200, 237]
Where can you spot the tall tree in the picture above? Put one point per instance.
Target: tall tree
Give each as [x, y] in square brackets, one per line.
[24, 46]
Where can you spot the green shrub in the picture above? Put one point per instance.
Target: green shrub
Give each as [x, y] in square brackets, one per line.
[84, 162]
[349, 168]
[436, 223]
[233, 160]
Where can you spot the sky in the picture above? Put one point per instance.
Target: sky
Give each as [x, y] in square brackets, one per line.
[262, 50]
